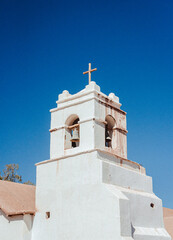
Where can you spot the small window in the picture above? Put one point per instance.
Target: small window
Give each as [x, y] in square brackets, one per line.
[47, 215]
[152, 205]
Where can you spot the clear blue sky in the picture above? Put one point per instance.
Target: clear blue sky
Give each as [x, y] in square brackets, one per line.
[45, 47]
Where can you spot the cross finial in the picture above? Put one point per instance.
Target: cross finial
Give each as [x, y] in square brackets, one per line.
[89, 72]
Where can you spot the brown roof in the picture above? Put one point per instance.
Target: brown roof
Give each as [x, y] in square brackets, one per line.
[168, 220]
[17, 198]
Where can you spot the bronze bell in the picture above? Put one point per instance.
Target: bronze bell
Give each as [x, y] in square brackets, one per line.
[75, 135]
[108, 138]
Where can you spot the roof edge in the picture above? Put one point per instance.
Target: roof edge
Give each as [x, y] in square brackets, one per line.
[10, 214]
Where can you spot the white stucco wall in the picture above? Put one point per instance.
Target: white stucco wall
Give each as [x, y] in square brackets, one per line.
[93, 192]
[15, 227]
[92, 107]
[89, 198]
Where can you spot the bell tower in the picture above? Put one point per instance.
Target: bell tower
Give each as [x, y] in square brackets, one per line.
[86, 121]
[88, 189]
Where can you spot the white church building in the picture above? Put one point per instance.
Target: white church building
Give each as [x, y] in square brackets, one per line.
[88, 189]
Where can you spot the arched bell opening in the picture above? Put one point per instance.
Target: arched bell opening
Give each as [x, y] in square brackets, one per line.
[109, 131]
[72, 133]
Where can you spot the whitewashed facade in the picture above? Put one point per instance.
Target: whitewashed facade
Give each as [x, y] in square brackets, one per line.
[17, 227]
[89, 190]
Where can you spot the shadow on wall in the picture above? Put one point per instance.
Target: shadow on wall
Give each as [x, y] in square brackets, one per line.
[11, 218]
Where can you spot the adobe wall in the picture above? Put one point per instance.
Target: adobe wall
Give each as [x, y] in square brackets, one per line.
[15, 227]
[90, 196]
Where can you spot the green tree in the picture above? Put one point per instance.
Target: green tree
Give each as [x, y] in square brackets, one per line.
[10, 173]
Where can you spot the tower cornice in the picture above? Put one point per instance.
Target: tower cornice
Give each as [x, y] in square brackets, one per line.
[98, 96]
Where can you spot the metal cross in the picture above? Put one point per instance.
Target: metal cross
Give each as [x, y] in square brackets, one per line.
[89, 72]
